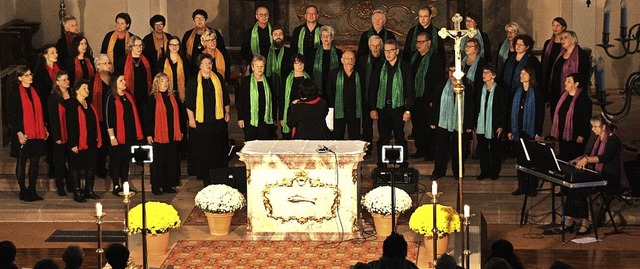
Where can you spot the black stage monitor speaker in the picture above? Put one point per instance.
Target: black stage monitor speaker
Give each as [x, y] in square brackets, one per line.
[235, 177]
[405, 178]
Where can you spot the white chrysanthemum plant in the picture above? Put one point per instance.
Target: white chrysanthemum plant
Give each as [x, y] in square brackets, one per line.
[378, 201]
[219, 199]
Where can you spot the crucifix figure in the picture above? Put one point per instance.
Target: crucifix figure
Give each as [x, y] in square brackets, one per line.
[458, 34]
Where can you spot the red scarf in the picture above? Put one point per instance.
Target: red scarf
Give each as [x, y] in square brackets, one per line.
[598, 148]
[312, 102]
[32, 118]
[161, 132]
[96, 99]
[69, 37]
[82, 122]
[570, 65]
[63, 123]
[121, 137]
[129, 73]
[78, 68]
[567, 134]
[52, 71]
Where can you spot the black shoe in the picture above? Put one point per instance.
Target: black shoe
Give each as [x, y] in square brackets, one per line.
[532, 194]
[517, 192]
[24, 196]
[156, 191]
[102, 173]
[34, 195]
[91, 195]
[435, 177]
[495, 177]
[169, 190]
[77, 196]
[481, 177]
[588, 231]
[116, 190]
[61, 192]
[570, 228]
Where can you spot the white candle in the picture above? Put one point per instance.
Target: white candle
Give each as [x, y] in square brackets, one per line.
[467, 211]
[125, 188]
[98, 209]
[434, 187]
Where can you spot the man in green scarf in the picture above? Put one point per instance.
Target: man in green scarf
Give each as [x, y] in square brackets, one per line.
[425, 17]
[278, 60]
[378, 20]
[257, 39]
[306, 37]
[344, 90]
[391, 98]
[366, 67]
[428, 71]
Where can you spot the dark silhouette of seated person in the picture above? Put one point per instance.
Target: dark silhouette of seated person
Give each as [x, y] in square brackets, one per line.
[504, 249]
[558, 264]
[46, 264]
[394, 254]
[7, 255]
[117, 256]
[73, 257]
[497, 263]
[447, 261]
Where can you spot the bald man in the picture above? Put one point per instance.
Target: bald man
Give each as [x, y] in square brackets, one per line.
[344, 92]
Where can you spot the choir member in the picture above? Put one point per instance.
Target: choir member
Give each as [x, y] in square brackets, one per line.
[493, 108]
[71, 29]
[306, 37]
[98, 91]
[344, 92]
[115, 43]
[257, 39]
[290, 92]
[191, 39]
[80, 63]
[256, 103]
[378, 20]
[58, 102]
[156, 43]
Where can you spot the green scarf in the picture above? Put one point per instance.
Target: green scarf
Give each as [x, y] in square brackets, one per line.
[339, 105]
[254, 97]
[317, 64]
[302, 35]
[397, 96]
[434, 36]
[255, 40]
[422, 71]
[372, 32]
[367, 75]
[287, 101]
[274, 66]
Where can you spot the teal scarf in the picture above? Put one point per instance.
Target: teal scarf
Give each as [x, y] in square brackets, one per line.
[287, 100]
[448, 118]
[397, 94]
[471, 73]
[254, 97]
[303, 34]
[372, 32]
[422, 71]
[485, 118]
[339, 105]
[434, 36]
[503, 54]
[317, 64]
[255, 39]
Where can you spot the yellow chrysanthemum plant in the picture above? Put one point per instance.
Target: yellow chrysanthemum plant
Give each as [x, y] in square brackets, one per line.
[161, 218]
[448, 220]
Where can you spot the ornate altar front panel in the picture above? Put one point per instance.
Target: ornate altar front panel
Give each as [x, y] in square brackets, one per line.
[295, 191]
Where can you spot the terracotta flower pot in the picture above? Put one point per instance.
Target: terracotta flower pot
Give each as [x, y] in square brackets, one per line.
[219, 224]
[157, 244]
[383, 224]
[443, 245]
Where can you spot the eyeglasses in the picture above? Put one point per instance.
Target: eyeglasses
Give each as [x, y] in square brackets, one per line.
[209, 40]
[520, 45]
[385, 51]
[262, 14]
[470, 46]
[199, 18]
[104, 63]
[298, 63]
[420, 41]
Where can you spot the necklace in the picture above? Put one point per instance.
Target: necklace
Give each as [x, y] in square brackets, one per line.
[136, 63]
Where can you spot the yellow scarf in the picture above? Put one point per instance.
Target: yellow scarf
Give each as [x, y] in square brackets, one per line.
[190, 41]
[200, 99]
[219, 60]
[112, 43]
[180, 75]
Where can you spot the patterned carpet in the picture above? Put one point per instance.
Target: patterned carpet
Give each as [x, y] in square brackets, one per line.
[239, 254]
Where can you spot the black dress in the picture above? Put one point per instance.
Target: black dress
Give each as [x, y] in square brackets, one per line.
[33, 147]
[86, 158]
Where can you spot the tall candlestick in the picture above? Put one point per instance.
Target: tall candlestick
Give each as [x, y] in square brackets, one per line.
[98, 209]
[434, 187]
[623, 19]
[125, 188]
[467, 211]
[607, 16]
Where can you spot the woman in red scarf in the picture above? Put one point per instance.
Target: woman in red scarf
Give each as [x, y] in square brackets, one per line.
[163, 130]
[123, 126]
[605, 159]
[98, 91]
[84, 141]
[58, 102]
[176, 67]
[28, 133]
[570, 124]
[43, 77]
[80, 63]
[137, 72]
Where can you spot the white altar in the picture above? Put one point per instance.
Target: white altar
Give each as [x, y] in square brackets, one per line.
[297, 192]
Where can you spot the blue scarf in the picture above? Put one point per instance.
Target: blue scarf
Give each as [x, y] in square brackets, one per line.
[514, 75]
[485, 118]
[471, 73]
[503, 54]
[448, 118]
[529, 117]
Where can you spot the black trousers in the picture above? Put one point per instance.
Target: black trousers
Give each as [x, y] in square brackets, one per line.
[60, 165]
[489, 155]
[350, 124]
[261, 132]
[367, 123]
[423, 135]
[390, 121]
[101, 158]
[119, 158]
[34, 165]
[208, 147]
[165, 169]
[447, 146]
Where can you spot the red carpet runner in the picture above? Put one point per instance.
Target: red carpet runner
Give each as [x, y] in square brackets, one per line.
[239, 254]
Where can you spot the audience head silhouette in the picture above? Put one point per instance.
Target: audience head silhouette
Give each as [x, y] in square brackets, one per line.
[7, 254]
[497, 263]
[73, 257]
[560, 265]
[117, 256]
[46, 264]
[394, 246]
